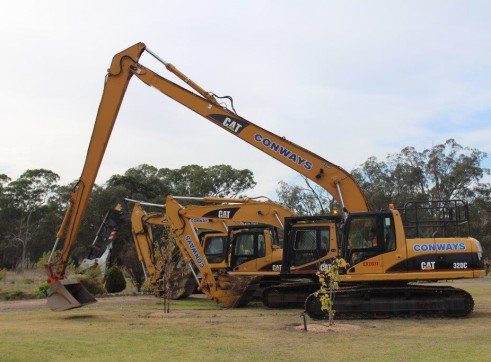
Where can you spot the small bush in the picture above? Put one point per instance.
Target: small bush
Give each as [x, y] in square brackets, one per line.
[43, 260]
[93, 285]
[42, 291]
[14, 295]
[94, 272]
[115, 281]
[27, 281]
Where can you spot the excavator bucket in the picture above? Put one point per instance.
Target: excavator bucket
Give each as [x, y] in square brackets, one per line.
[68, 294]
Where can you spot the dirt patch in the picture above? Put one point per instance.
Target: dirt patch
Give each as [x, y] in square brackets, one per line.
[326, 328]
[161, 314]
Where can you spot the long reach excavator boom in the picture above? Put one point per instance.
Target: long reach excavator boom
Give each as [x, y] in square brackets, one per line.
[124, 65]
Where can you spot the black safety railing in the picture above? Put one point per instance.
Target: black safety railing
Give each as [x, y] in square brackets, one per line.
[437, 218]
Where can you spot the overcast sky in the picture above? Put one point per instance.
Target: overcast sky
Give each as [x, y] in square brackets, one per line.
[345, 79]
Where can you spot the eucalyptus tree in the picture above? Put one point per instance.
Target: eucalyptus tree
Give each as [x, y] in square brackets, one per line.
[24, 205]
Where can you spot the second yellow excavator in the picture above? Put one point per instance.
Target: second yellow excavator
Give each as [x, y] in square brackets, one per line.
[254, 224]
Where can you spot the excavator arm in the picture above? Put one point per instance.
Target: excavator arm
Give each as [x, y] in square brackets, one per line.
[115, 87]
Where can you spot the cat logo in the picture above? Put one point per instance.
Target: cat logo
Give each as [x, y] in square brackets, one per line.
[232, 125]
[224, 214]
[427, 265]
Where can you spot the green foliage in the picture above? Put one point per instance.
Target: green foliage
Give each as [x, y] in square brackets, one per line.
[305, 199]
[445, 171]
[329, 279]
[115, 281]
[93, 285]
[146, 182]
[132, 266]
[94, 272]
[32, 206]
[14, 295]
[43, 260]
[40, 264]
[42, 291]
[2, 273]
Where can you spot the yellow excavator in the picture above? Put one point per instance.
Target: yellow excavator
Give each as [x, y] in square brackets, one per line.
[251, 225]
[384, 280]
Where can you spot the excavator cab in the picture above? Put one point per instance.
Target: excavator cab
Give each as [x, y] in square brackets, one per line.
[311, 242]
[249, 244]
[370, 242]
[215, 247]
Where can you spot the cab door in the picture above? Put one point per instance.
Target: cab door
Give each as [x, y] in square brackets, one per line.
[370, 238]
[311, 246]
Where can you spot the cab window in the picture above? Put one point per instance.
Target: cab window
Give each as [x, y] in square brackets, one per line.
[244, 244]
[310, 245]
[389, 234]
[214, 249]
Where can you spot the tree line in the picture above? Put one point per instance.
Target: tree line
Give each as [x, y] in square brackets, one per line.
[444, 171]
[33, 205]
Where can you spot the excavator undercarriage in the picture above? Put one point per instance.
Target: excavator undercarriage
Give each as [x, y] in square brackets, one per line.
[370, 301]
[410, 300]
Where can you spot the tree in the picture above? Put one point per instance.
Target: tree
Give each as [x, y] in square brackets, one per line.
[306, 200]
[143, 182]
[4, 179]
[214, 181]
[23, 203]
[446, 171]
[32, 207]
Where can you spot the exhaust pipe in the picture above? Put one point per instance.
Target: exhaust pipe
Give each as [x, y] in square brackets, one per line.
[67, 294]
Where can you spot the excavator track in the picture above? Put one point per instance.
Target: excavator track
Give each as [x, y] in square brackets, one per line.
[370, 302]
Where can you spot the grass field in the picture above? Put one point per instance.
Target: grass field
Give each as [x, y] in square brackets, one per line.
[136, 328]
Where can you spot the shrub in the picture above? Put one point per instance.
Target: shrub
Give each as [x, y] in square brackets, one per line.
[42, 291]
[43, 260]
[14, 295]
[93, 285]
[94, 272]
[115, 281]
